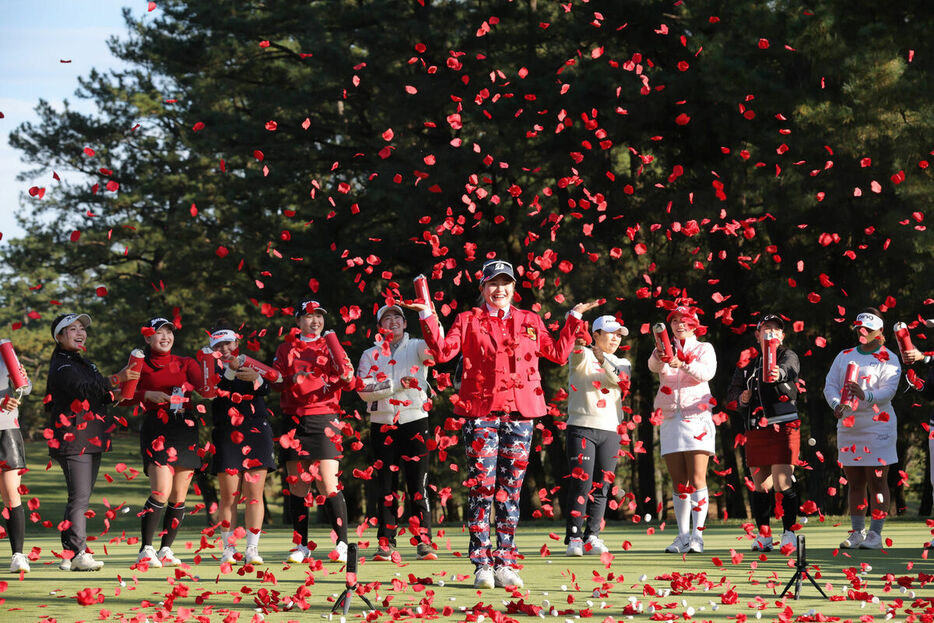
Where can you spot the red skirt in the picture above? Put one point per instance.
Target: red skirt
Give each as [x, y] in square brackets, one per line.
[779, 444]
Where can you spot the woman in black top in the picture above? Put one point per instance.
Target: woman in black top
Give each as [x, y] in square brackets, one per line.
[243, 449]
[79, 429]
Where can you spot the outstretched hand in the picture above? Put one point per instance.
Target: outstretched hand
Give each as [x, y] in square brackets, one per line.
[583, 308]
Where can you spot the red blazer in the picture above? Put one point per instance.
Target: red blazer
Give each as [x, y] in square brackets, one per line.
[472, 335]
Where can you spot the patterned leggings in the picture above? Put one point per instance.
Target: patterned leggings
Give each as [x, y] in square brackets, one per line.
[498, 452]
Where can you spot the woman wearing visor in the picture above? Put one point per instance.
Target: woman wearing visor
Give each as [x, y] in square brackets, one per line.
[80, 429]
[500, 397]
[168, 440]
[312, 439]
[866, 425]
[687, 432]
[598, 380]
[395, 388]
[769, 410]
[243, 448]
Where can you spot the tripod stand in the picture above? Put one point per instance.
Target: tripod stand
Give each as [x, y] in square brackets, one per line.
[801, 570]
[343, 600]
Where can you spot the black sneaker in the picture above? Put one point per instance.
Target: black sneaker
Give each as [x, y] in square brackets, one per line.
[425, 551]
[384, 553]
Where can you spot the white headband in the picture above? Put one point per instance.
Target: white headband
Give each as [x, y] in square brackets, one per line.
[224, 335]
[870, 321]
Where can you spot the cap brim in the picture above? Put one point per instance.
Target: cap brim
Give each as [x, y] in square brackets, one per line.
[494, 275]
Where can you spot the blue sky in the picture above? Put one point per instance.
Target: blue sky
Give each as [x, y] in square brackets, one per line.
[35, 36]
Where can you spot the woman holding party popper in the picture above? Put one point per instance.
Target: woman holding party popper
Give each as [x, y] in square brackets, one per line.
[243, 447]
[687, 432]
[13, 460]
[168, 440]
[79, 429]
[313, 375]
[598, 380]
[859, 388]
[500, 396]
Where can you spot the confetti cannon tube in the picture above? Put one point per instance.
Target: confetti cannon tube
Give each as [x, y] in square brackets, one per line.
[267, 372]
[11, 361]
[337, 352]
[904, 338]
[769, 354]
[852, 374]
[422, 293]
[128, 389]
[209, 377]
[662, 341]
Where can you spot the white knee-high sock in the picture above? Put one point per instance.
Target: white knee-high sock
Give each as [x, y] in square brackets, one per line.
[699, 510]
[682, 505]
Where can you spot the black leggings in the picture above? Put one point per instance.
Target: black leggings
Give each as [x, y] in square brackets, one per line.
[80, 475]
[406, 441]
[591, 453]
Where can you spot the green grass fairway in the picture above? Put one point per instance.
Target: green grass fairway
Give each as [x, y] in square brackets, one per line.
[641, 577]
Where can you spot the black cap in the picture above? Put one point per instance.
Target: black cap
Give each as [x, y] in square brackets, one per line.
[309, 306]
[492, 268]
[771, 318]
[158, 322]
[63, 320]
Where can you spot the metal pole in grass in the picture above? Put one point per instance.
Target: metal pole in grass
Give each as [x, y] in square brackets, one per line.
[350, 582]
[801, 570]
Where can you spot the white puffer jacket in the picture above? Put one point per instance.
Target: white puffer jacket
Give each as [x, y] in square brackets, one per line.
[388, 401]
[683, 391]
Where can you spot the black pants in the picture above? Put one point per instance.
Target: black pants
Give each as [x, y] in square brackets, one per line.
[80, 475]
[396, 447]
[591, 452]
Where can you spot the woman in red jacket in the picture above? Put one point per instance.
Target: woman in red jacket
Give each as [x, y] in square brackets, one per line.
[312, 440]
[500, 397]
[168, 439]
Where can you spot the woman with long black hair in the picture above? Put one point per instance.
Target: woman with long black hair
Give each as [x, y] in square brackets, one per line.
[12, 466]
[168, 440]
[80, 429]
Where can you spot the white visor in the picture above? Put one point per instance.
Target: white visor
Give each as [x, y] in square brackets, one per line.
[224, 335]
[869, 321]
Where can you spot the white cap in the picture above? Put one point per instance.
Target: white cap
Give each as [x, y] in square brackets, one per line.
[869, 321]
[609, 324]
[224, 335]
[385, 308]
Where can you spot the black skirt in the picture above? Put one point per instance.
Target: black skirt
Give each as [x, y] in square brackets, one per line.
[173, 442]
[244, 447]
[12, 450]
[316, 438]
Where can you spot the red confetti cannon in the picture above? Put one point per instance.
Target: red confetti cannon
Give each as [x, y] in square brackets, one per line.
[337, 352]
[267, 372]
[904, 339]
[128, 389]
[769, 354]
[662, 341]
[422, 294]
[852, 374]
[17, 378]
[209, 376]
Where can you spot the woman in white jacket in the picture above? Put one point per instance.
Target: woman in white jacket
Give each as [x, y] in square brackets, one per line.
[866, 427]
[688, 436]
[395, 385]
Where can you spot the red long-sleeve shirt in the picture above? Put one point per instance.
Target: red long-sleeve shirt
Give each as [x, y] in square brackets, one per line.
[319, 391]
[167, 372]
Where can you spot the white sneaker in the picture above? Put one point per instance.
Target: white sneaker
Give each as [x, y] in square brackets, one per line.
[506, 576]
[789, 543]
[298, 555]
[229, 555]
[696, 545]
[853, 540]
[341, 550]
[680, 545]
[483, 577]
[65, 564]
[575, 547]
[873, 540]
[252, 557]
[594, 545]
[18, 563]
[85, 562]
[148, 555]
[168, 557]
[762, 544]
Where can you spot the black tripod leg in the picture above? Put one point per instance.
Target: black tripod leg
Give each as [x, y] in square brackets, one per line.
[343, 601]
[795, 577]
[816, 585]
[370, 605]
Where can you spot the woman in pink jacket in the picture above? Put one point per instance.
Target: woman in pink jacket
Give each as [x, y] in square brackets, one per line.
[687, 430]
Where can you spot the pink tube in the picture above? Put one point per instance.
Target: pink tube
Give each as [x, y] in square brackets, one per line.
[662, 341]
[267, 372]
[422, 293]
[337, 352]
[11, 361]
[769, 354]
[904, 338]
[852, 374]
[209, 376]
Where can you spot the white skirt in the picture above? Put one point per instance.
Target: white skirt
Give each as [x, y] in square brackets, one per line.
[692, 434]
[868, 444]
